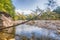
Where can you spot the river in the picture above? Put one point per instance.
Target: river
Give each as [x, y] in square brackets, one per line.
[38, 33]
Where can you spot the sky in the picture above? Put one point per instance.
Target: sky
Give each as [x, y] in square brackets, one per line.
[30, 4]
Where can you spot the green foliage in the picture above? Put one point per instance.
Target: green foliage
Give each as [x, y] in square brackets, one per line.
[57, 10]
[30, 16]
[20, 17]
[16, 17]
[49, 16]
[7, 6]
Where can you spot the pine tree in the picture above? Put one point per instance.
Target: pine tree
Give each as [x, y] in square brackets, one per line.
[7, 6]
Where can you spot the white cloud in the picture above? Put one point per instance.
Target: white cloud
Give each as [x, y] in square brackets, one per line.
[58, 2]
[23, 11]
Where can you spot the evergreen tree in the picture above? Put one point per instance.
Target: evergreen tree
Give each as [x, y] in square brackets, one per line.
[57, 10]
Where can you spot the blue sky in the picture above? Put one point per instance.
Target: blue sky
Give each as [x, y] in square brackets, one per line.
[30, 4]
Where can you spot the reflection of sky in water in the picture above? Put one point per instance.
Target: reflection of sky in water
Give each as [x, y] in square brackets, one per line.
[28, 30]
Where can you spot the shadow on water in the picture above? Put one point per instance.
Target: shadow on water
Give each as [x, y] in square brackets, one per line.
[27, 32]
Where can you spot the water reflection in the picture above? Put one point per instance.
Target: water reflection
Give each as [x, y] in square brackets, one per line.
[41, 33]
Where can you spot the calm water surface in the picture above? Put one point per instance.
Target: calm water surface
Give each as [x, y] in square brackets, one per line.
[28, 31]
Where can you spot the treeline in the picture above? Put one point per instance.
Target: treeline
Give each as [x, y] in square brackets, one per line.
[46, 15]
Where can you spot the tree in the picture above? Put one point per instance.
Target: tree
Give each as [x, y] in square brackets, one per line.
[7, 6]
[57, 10]
[30, 16]
[51, 4]
[37, 11]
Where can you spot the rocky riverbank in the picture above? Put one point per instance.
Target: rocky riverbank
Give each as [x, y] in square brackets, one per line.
[49, 24]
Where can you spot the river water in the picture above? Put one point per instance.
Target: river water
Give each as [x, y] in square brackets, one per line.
[40, 33]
